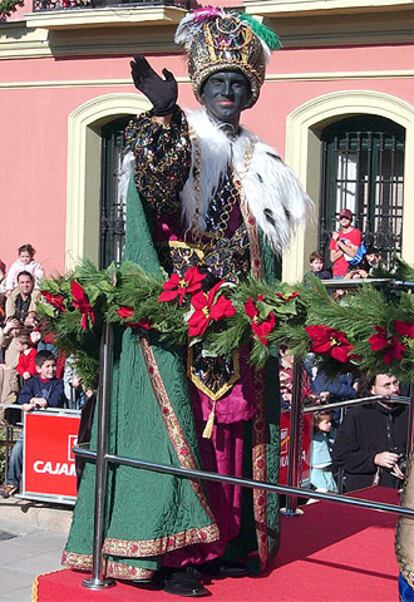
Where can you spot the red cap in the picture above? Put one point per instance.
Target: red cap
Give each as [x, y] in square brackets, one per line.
[346, 213]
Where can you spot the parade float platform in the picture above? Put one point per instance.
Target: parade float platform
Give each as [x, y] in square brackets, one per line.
[332, 553]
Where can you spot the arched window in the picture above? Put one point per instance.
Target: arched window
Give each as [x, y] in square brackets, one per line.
[112, 207]
[363, 170]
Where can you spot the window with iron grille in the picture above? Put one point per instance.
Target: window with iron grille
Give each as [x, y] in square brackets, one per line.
[363, 170]
[112, 206]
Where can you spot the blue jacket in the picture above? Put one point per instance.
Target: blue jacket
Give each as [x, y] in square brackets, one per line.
[51, 390]
[339, 386]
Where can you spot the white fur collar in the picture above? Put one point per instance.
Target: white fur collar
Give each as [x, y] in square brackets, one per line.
[273, 193]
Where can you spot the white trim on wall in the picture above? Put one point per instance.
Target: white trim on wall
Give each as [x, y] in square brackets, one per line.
[302, 155]
[270, 78]
[83, 166]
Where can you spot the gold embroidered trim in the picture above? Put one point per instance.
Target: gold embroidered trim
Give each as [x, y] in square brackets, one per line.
[403, 562]
[259, 458]
[156, 547]
[260, 473]
[178, 244]
[175, 431]
[192, 376]
[79, 562]
[256, 267]
[35, 590]
[118, 570]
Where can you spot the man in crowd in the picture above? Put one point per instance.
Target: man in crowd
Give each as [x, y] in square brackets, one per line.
[22, 301]
[344, 244]
[9, 385]
[372, 439]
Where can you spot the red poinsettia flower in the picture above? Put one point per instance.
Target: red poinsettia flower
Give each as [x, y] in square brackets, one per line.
[81, 302]
[126, 313]
[287, 298]
[208, 309]
[391, 345]
[58, 301]
[261, 327]
[329, 341]
[179, 287]
[404, 329]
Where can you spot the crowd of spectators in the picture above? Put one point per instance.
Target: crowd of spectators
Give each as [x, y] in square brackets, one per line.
[349, 255]
[33, 373]
[357, 447]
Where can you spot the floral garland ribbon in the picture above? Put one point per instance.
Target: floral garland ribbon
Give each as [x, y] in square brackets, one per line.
[371, 329]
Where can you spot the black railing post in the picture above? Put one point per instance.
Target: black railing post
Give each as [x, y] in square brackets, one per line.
[98, 580]
[295, 439]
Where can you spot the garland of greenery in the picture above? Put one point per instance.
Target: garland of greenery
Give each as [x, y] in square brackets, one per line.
[7, 7]
[370, 329]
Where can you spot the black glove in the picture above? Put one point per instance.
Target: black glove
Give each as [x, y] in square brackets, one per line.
[161, 92]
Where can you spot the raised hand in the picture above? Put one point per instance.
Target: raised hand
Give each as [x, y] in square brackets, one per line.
[162, 92]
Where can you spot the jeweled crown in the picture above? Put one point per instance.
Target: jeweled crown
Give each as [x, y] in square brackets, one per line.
[217, 40]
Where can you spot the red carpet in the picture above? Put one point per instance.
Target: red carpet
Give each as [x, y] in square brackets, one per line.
[332, 553]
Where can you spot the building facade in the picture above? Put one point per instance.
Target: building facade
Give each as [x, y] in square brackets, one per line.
[338, 104]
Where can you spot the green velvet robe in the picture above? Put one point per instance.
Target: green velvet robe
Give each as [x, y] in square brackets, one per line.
[147, 513]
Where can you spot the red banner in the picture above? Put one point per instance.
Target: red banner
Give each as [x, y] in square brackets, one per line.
[284, 447]
[49, 462]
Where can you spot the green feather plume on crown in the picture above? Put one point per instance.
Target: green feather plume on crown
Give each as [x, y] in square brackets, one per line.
[265, 33]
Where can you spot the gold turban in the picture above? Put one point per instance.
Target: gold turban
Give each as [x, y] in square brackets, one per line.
[217, 40]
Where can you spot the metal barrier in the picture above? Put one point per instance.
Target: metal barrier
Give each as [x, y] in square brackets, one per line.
[102, 458]
[7, 443]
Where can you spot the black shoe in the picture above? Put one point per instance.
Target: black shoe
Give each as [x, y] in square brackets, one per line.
[184, 583]
[220, 569]
[154, 583]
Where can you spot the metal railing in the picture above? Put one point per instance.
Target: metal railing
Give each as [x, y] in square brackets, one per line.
[51, 5]
[103, 458]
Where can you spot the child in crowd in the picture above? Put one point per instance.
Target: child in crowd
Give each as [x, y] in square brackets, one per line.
[37, 393]
[26, 366]
[317, 267]
[45, 341]
[24, 263]
[321, 462]
[74, 391]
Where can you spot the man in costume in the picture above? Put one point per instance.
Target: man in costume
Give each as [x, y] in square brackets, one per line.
[214, 198]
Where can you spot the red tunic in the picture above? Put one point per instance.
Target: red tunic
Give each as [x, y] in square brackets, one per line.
[27, 362]
[340, 266]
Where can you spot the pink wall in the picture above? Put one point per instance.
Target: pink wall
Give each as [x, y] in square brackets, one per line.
[34, 156]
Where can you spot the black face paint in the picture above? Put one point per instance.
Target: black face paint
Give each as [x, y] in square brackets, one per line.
[225, 95]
